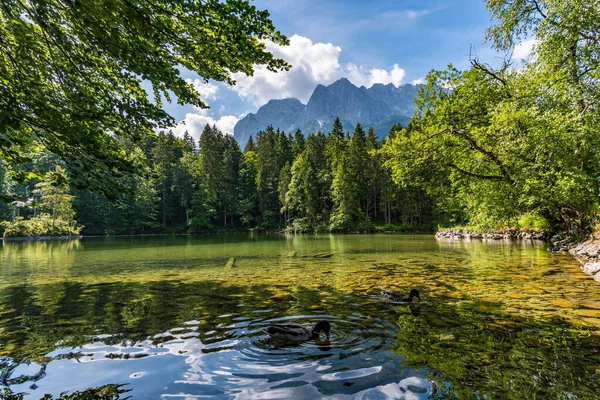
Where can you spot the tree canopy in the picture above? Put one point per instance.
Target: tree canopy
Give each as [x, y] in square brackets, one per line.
[515, 139]
[74, 75]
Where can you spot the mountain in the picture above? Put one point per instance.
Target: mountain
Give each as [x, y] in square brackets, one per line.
[380, 106]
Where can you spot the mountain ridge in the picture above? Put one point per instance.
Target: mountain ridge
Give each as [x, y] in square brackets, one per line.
[380, 106]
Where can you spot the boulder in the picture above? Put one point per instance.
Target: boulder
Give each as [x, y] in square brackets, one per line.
[592, 268]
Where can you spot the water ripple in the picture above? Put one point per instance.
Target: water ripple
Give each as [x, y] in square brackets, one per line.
[237, 359]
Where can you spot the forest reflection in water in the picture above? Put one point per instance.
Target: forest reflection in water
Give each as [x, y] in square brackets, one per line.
[173, 316]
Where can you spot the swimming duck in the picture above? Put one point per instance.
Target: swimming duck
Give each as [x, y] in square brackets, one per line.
[298, 333]
[399, 297]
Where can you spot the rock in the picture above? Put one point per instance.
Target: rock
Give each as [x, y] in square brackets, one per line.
[588, 253]
[230, 263]
[380, 106]
[588, 313]
[591, 268]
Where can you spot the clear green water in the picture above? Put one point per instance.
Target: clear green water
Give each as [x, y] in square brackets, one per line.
[169, 317]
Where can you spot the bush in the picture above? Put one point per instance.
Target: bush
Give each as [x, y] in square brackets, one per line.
[532, 221]
[40, 225]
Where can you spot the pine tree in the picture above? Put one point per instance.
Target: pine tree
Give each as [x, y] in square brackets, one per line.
[189, 142]
[211, 147]
[358, 159]
[250, 146]
[268, 176]
[285, 177]
[372, 175]
[166, 155]
[231, 167]
[344, 191]
[338, 129]
[298, 143]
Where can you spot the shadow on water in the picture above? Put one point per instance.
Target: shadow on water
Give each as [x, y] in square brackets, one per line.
[472, 350]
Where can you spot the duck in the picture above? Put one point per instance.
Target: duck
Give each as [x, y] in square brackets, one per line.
[399, 297]
[299, 333]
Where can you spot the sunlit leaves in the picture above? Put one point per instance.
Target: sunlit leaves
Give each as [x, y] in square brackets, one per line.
[72, 73]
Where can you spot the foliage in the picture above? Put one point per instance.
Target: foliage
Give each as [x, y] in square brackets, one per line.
[41, 225]
[54, 196]
[325, 182]
[56, 200]
[104, 392]
[73, 74]
[530, 221]
[505, 142]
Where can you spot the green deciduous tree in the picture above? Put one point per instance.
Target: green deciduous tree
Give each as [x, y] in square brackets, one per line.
[75, 75]
[248, 201]
[503, 141]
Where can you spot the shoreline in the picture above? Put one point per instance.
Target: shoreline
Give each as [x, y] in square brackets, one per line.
[249, 232]
[511, 234]
[586, 252]
[40, 238]
[77, 237]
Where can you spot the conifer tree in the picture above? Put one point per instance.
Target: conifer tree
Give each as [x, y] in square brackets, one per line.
[298, 143]
[250, 146]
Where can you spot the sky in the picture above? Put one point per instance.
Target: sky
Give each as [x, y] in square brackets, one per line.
[381, 41]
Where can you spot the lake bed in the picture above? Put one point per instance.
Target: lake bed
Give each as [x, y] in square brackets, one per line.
[175, 317]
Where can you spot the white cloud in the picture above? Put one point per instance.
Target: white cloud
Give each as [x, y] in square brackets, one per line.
[414, 14]
[523, 49]
[312, 64]
[361, 76]
[207, 90]
[448, 84]
[194, 123]
[419, 81]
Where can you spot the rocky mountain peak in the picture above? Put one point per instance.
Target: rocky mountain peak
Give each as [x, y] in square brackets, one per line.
[380, 106]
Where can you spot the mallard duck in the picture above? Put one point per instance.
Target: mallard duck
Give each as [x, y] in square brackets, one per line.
[399, 297]
[298, 333]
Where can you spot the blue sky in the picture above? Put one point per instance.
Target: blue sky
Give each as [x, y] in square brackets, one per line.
[387, 41]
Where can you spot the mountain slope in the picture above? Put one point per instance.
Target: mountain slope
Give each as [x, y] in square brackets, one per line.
[379, 106]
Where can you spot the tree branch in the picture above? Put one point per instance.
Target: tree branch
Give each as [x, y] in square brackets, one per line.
[475, 175]
[487, 153]
[538, 8]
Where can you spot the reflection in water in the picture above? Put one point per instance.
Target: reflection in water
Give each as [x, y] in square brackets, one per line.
[166, 317]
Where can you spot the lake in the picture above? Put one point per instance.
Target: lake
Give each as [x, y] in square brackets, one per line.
[185, 318]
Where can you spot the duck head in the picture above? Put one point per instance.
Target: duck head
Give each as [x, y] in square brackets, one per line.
[322, 326]
[414, 293]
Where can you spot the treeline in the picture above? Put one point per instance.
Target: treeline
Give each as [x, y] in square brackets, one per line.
[320, 183]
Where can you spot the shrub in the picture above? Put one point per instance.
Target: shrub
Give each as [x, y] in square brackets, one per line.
[41, 225]
[532, 221]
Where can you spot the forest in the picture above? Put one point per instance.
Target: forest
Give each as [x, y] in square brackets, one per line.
[509, 145]
[319, 183]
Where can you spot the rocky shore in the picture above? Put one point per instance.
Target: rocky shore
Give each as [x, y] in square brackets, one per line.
[511, 234]
[588, 252]
[32, 238]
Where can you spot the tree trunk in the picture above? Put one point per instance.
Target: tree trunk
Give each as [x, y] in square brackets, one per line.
[375, 202]
[164, 207]
[53, 213]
